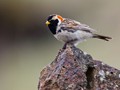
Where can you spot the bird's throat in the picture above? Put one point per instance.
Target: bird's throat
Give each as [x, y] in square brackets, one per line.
[52, 28]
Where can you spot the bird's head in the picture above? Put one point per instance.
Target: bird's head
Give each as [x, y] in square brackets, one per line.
[53, 21]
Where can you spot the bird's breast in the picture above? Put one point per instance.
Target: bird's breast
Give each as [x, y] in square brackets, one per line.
[67, 35]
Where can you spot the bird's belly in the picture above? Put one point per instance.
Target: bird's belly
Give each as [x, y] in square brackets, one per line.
[66, 36]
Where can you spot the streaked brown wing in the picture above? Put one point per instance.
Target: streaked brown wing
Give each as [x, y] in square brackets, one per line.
[72, 25]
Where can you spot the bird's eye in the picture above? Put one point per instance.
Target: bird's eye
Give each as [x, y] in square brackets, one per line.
[50, 20]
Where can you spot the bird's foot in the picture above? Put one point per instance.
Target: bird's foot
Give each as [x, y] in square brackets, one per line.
[68, 44]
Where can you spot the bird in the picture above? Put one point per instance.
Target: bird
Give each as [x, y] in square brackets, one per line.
[71, 31]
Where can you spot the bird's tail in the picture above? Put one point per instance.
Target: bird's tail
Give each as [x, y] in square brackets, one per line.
[106, 38]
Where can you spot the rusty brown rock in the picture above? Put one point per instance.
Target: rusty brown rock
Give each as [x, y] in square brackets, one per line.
[75, 70]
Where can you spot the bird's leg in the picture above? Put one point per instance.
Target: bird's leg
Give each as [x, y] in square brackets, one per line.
[69, 43]
[64, 47]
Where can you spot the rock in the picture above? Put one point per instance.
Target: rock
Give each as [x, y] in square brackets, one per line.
[75, 70]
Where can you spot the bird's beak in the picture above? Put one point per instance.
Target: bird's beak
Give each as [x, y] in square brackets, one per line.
[47, 23]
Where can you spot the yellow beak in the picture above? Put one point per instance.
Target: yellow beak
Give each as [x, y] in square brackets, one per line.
[47, 23]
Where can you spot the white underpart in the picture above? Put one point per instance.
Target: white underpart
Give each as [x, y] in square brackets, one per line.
[66, 36]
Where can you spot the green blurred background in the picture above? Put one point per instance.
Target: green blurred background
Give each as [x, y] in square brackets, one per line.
[27, 45]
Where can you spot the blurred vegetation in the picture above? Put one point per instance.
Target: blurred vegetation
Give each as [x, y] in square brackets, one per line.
[26, 44]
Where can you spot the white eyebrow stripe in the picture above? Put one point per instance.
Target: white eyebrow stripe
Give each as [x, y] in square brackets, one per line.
[55, 17]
